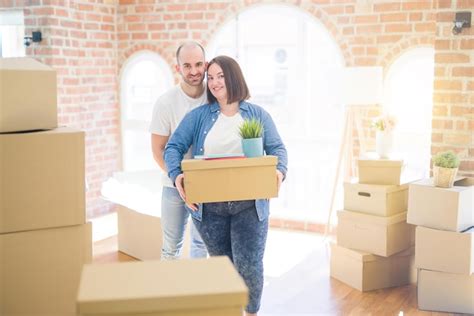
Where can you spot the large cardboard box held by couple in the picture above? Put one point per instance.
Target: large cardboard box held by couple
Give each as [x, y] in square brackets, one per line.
[367, 272]
[442, 208]
[27, 95]
[230, 179]
[376, 199]
[445, 251]
[445, 292]
[383, 236]
[40, 270]
[175, 288]
[42, 180]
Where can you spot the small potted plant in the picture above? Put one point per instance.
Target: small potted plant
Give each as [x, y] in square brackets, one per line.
[384, 126]
[251, 132]
[445, 167]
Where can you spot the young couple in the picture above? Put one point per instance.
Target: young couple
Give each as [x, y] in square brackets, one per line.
[205, 117]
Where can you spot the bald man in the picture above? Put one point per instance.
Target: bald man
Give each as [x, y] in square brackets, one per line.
[168, 112]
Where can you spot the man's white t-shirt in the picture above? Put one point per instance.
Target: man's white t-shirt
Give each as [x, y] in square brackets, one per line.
[169, 110]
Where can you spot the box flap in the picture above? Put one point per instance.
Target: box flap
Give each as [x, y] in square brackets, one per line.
[365, 256]
[460, 185]
[378, 188]
[23, 63]
[372, 219]
[380, 163]
[153, 286]
[198, 164]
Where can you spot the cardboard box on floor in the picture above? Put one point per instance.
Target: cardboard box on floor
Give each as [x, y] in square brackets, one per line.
[27, 95]
[40, 270]
[175, 288]
[380, 171]
[445, 251]
[367, 272]
[441, 208]
[376, 199]
[383, 236]
[230, 179]
[140, 235]
[43, 180]
[445, 292]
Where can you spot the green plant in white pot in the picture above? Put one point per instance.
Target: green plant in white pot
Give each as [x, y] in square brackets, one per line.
[251, 132]
[445, 167]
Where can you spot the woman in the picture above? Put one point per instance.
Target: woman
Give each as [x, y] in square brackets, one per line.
[237, 229]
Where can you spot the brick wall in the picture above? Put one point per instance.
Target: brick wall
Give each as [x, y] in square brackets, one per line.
[89, 41]
[453, 99]
[79, 41]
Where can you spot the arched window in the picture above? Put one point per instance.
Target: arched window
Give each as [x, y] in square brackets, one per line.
[285, 54]
[145, 76]
[408, 95]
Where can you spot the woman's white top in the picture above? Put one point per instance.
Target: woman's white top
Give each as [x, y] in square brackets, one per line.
[223, 137]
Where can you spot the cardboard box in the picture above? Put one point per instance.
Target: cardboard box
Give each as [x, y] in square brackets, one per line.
[140, 234]
[42, 180]
[376, 199]
[445, 251]
[27, 95]
[380, 171]
[441, 208]
[413, 270]
[180, 287]
[366, 272]
[445, 292]
[40, 270]
[383, 236]
[230, 179]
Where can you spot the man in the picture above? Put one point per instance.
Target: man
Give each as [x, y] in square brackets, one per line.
[169, 110]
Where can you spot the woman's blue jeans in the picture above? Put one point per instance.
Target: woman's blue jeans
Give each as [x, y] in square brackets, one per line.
[174, 218]
[233, 229]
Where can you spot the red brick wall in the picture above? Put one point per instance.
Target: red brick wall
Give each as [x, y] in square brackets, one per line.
[88, 42]
[79, 41]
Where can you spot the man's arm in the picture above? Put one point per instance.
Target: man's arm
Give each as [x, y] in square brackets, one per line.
[158, 144]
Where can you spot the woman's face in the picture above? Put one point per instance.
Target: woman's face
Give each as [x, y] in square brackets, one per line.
[216, 83]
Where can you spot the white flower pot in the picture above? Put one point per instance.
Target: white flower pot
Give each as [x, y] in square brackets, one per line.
[383, 143]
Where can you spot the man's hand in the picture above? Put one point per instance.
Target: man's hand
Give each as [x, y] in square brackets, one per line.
[279, 179]
[179, 183]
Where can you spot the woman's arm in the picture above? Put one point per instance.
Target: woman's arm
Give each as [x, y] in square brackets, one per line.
[272, 143]
[178, 145]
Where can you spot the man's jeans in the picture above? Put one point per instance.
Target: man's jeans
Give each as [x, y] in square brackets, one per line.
[174, 218]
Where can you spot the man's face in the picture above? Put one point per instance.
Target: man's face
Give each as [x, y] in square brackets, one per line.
[191, 65]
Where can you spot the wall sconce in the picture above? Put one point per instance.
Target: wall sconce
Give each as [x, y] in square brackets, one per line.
[462, 20]
[34, 38]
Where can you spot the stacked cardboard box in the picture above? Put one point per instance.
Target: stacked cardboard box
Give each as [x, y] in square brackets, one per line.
[374, 242]
[444, 244]
[44, 238]
[176, 288]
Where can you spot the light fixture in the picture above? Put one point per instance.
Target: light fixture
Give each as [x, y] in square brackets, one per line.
[35, 37]
[462, 20]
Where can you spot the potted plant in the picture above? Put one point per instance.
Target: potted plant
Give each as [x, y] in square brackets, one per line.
[252, 142]
[384, 126]
[445, 167]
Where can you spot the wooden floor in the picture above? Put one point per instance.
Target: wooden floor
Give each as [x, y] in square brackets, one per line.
[306, 289]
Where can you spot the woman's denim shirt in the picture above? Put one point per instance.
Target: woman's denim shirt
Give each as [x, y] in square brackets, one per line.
[195, 126]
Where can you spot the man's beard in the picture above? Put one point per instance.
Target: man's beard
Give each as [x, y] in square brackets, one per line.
[196, 82]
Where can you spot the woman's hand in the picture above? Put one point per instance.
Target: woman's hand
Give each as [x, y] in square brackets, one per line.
[179, 183]
[279, 179]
